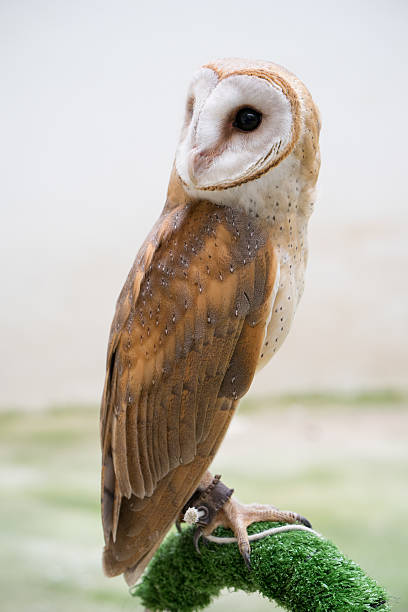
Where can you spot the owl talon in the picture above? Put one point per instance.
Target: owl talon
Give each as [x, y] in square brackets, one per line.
[247, 558]
[304, 521]
[196, 539]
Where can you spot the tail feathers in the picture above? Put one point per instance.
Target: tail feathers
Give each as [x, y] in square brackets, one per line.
[112, 567]
[143, 524]
[132, 574]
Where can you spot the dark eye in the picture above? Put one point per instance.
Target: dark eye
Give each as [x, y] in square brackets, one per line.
[247, 119]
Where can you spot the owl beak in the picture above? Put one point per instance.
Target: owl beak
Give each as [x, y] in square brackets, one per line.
[197, 162]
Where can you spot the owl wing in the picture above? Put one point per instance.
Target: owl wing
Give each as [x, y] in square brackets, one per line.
[184, 345]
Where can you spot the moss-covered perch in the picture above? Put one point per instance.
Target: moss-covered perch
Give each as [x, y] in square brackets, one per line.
[297, 570]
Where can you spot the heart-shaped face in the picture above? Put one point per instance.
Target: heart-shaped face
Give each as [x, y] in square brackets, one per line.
[237, 126]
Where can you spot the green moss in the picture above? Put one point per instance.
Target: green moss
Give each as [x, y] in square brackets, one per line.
[297, 570]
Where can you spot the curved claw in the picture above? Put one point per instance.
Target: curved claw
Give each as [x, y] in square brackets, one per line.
[178, 526]
[304, 521]
[196, 538]
[247, 558]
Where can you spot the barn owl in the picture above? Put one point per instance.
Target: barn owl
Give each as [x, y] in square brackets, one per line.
[209, 300]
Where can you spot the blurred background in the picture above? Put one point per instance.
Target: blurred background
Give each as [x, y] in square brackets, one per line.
[91, 104]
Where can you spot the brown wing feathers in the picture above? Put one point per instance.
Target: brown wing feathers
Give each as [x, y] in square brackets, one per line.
[184, 346]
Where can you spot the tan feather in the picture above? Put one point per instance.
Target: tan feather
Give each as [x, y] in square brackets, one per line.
[177, 330]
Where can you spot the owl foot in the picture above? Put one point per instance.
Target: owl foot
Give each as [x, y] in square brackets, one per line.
[238, 517]
[211, 506]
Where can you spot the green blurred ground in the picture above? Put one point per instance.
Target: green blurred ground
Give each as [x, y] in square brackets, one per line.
[342, 461]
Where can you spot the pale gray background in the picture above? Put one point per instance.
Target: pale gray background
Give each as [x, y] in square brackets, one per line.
[92, 97]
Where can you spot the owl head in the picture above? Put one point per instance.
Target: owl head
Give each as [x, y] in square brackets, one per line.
[243, 119]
